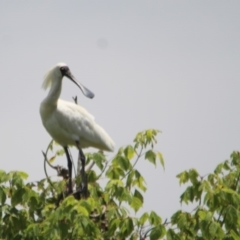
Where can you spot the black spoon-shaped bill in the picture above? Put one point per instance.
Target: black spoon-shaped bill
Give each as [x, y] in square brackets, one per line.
[84, 90]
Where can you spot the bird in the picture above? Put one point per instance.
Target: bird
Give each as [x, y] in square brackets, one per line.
[70, 124]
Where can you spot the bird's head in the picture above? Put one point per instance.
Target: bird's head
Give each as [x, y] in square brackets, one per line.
[58, 72]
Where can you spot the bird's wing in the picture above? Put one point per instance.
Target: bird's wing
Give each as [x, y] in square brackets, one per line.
[69, 106]
[74, 119]
[80, 125]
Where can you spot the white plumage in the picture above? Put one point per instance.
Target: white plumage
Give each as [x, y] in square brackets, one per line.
[67, 122]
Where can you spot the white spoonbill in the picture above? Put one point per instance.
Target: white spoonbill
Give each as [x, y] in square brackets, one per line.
[68, 123]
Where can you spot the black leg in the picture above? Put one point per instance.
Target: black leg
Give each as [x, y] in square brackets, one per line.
[83, 188]
[83, 174]
[70, 190]
[81, 158]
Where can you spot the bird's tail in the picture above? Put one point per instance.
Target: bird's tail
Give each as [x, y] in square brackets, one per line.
[104, 141]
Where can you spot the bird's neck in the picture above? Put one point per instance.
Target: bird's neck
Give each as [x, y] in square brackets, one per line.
[54, 93]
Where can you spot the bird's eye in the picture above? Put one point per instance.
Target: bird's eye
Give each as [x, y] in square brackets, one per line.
[64, 70]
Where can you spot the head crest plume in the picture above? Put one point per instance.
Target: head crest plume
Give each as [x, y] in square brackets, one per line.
[48, 78]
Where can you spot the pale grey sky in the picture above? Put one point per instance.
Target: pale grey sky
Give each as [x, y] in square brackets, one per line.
[170, 65]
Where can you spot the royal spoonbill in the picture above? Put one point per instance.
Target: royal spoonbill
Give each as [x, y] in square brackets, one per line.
[68, 123]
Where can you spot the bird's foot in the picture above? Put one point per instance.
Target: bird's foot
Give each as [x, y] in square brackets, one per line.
[81, 192]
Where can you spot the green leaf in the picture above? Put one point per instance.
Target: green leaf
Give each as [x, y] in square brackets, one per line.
[136, 203]
[213, 228]
[122, 162]
[151, 156]
[60, 152]
[2, 195]
[129, 224]
[91, 176]
[113, 225]
[154, 219]
[99, 158]
[16, 179]
[231, 215]
[129, 152]
[219, 168]
[130, 176]
[114, 182]
[145, 138]
[189, 194]
[138, 195]
[193, 175]
[87, 205]
[235, 156]
[161, 159]
[175, 217]
[228, 190]
[120, 151]
[134, 236]
[4, 176]
[202, 214]
[183, 177]
[139, 140]
[216, 231]
[126, 227]
[143, 218]
[63, 227]
[124, 212]
[234, 235]
[23, 175]
[115, 172]
[157, 232]
[171, 235]
[149, 135]
[139, 181]
[183, 220]
[122, 194]
[33, 202]
[52, 159]
[17, 196]
[226, 165]
[82, 210]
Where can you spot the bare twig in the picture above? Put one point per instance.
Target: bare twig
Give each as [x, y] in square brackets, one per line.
[102, 170]
[45, 154]
[138, 157]
[146, 233]
[45, 170]
[75, 99]
[91, 166]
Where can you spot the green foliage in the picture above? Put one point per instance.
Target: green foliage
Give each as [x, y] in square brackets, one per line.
[33, 210]
[217, 214]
